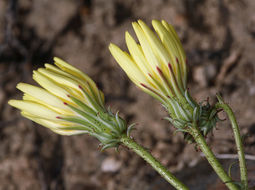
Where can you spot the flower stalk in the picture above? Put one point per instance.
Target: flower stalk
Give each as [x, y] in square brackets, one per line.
[238, 139]
[146, 155]
[213, 161]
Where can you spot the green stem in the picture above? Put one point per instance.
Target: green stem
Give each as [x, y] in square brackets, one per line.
[238, 139]
[138, 149]
[200, 140]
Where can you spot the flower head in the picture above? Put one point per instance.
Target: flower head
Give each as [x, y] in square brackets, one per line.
[69, 103]
[157, 64]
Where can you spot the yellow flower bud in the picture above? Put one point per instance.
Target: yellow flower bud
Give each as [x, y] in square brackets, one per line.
[69, 103]
[157, 64]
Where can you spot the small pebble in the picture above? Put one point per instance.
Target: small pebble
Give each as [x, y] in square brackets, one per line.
[110, 165]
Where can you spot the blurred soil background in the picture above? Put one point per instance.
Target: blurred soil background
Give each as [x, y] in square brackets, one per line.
[219, 39]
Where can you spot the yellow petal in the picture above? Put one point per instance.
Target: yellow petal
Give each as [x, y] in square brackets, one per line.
[161, 53]
[137, 55]
[170, 44]
[167, 39]
[57, 70]
[70, 69]
[127, 65]
[68, 132]
[147, 50]
[63, 81]
[73, 87]
[76, 72]
[174, 35]
[44, 122]
[54, 126]
[153, 58]
[52, 70]
[41, 95]
[156, 45]
[99, 98]
[67, 111]
[34, 109]
[182, 60]
[51, 86]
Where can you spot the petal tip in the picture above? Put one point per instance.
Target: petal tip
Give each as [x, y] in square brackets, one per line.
[13, 103]
[57, 59]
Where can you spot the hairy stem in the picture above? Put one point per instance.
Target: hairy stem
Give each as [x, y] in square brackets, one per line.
[213, 161]
[238, 140]
[142, 152]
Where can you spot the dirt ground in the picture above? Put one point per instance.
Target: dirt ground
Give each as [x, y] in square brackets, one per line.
[219, 39]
